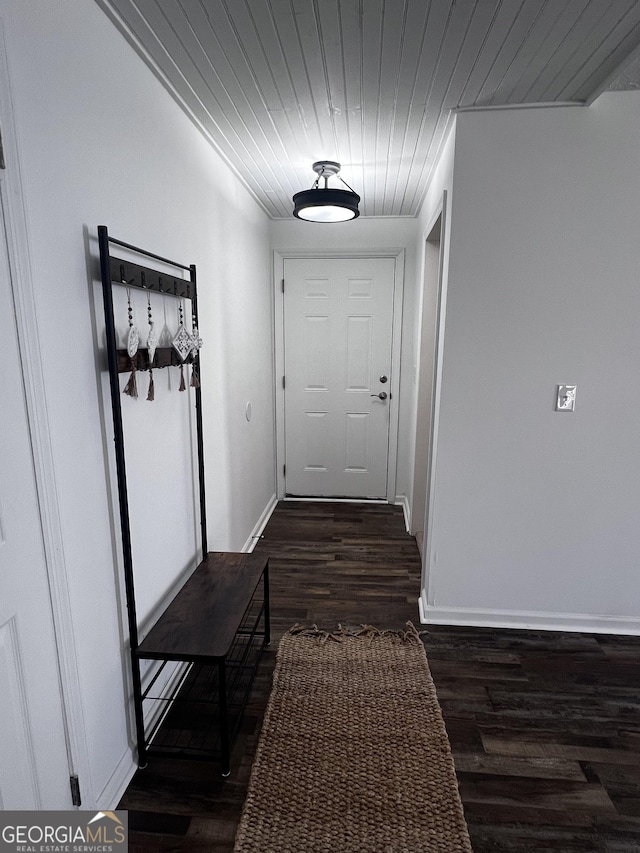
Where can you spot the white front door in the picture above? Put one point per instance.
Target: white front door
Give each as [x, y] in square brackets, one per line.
[34, 766]
[338, 323]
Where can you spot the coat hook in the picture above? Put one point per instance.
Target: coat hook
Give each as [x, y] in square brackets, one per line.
[160, 288]
[142, 279]
[123, 277]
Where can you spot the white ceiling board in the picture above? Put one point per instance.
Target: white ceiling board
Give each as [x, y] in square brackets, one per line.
[574, 33]
[278, 84]
[622, 39]
[628, 78]
[545, 37]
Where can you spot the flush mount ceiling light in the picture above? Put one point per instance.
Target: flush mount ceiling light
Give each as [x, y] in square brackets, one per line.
[323, 204]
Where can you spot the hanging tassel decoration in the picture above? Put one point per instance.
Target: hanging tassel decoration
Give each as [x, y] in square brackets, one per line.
[152, 338]
[133, 340]
[182, 345]
[196, 343]
[131, 388]
[151, 392]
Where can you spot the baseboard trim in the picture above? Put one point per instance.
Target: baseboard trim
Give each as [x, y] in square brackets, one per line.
[267, 512]
[578, 622]
[119, 780]
[317, 500]
[403, 501]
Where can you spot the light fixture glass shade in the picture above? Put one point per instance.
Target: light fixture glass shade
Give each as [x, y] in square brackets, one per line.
[323, 204]
[326, 205]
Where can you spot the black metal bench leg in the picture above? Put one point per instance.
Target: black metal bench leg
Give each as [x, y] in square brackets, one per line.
[138, 711]
[225, 748]
[267, 617]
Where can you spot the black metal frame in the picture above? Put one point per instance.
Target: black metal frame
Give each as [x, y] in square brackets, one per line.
[121, 272]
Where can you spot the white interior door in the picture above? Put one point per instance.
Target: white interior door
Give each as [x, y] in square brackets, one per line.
[34, 766]
[338, 330]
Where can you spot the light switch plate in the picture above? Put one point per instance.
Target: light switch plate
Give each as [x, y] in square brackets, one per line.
[566, 398]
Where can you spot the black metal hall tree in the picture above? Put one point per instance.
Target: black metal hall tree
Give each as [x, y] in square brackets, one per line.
[218, 622]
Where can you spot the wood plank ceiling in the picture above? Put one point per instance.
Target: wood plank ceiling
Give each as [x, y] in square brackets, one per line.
[278, 84]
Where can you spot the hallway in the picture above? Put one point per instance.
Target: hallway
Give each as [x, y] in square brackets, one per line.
[545, 727]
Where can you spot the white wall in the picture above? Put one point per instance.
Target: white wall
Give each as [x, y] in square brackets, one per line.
[536, 513]
[364, 234]
[101, 142]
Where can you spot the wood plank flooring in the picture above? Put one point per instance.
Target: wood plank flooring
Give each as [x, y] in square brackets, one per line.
[544, 726]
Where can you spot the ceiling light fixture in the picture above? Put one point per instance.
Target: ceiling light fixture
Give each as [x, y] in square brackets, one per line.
[323, 204]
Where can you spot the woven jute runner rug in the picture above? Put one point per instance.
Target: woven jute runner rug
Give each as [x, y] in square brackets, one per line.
[353, 756]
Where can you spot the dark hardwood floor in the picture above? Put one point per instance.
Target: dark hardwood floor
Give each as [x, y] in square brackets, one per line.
[544, 726]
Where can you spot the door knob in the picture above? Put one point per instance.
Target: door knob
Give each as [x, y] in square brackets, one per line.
[382, 395]
[383, 379]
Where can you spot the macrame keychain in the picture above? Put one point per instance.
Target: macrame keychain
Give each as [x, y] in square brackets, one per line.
[182, 345]
[196, 343]
[133, 341]
[152, 343]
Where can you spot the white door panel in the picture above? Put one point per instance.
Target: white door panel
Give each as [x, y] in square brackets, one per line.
[338, 318]
[34, 769]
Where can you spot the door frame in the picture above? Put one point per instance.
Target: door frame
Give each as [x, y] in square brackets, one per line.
[24, 304]
[442, 213]
[427, 346]
[279, 258]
